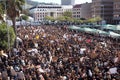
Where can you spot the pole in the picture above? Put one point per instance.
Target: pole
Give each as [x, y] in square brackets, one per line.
[94, 13]
[103, 12]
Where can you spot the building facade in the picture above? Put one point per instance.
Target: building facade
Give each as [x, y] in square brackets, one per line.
[103, 9]
[82, 11]
[76, 11]
[85, 11]
[41, 11]
[67, 2]
[116, 11]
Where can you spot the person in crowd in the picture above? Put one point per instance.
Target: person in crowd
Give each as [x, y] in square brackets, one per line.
[58, 53]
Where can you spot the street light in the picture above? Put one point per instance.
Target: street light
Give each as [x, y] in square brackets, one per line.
[94, 14]
[102, 12]
[94, 11]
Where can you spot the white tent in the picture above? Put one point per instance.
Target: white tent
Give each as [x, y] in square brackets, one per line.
[113, 34]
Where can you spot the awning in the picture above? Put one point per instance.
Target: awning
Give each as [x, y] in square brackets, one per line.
[113, 34]
[111, 27]
[74, 27]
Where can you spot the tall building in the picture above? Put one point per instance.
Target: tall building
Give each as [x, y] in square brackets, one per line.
[82, 11]
[67, 2]
[103, 9]
[116, 11]
[85, 11]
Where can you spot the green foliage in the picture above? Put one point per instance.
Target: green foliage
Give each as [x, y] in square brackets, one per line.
[67, 14]
[61, 18]
[4, 36]
[26, 12]
[1, 12]
[13, 7]
[69, 19]
[50, 18]
[24, 17]
[92, 20]
[82, 19]
[78, 20]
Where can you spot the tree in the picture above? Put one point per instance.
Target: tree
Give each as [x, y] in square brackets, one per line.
[24, 17]
[1, 12]
[26, 12]
[98, 19]
[93, 20]
[13, 7]
[49, 18]
[78, 21]
[61, 18]
[4, 36]
[67, 14]
[82, 19]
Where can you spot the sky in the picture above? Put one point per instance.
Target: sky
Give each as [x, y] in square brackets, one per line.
[59, 1]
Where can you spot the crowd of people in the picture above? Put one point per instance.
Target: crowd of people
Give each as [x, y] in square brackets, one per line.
[58, 53]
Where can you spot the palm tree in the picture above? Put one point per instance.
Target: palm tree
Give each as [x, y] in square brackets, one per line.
[13, 8]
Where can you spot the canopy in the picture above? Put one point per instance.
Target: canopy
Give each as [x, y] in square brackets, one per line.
[112, 27]
[74, 27]
[97, 31]
[93, 30]
[113, 34]
[84, 25]
[89, 30]
[118, 27]
[101, 32]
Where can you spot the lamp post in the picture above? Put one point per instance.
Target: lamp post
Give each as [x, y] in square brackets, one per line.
[102, 12]
[94, 12]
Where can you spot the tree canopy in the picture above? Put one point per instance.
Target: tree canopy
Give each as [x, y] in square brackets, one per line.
[12, 8]
[24, 17]
[4, 36]
[49, 18]
[67, 14]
